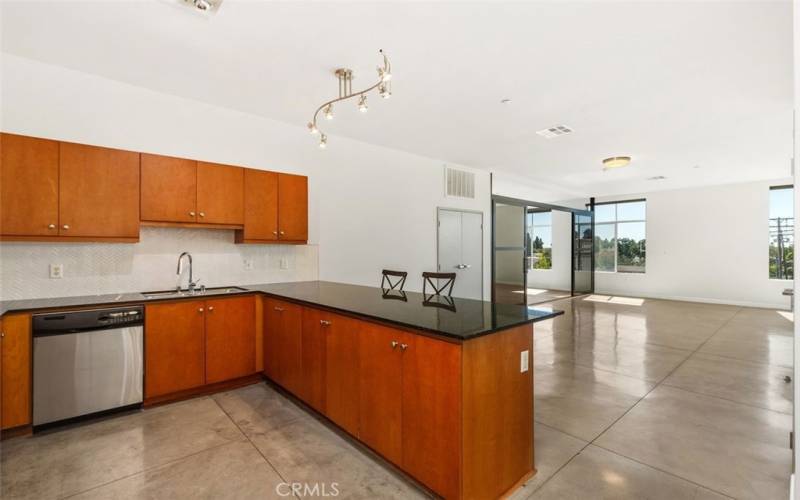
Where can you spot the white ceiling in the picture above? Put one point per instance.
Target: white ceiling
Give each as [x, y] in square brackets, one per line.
[673, 84]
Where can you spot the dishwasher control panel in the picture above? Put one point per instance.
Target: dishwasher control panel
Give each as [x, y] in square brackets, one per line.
[87, 320]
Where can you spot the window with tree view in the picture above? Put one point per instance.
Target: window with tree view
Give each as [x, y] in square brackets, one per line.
[619, 237]
[781, 233]
[539, 239]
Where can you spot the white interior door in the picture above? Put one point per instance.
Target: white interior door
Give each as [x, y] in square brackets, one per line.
[461, 251]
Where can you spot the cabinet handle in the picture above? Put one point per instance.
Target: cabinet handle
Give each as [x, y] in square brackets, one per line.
[51, 226]
[279, 309]
[324, 322]
[282, 232]
[394, 344]
[404, 346]
[191, 213]
[65, 226]
[200, 310]
[202, 214]
[274, 232]
[210, 308]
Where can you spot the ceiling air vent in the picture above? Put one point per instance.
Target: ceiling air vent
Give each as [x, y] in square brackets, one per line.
[459, 183]
[551, 132]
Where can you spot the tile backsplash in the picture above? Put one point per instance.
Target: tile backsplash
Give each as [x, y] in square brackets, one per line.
[100, 268]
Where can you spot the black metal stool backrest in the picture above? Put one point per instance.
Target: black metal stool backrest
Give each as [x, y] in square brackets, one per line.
[427, 278]
[399, 282]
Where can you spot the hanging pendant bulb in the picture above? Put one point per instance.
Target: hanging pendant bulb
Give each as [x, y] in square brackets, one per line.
[312, 129]
[328, 112]
[362, 104]
[384, 92]
[323, 141]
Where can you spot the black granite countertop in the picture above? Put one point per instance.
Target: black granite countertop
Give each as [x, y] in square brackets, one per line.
[454, 317]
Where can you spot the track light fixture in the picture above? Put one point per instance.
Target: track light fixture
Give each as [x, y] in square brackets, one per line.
[345, 78]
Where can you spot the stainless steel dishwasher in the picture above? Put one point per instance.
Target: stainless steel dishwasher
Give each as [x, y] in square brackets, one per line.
[86, 362]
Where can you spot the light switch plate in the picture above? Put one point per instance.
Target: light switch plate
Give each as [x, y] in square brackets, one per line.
[524, 361]
[56, 271]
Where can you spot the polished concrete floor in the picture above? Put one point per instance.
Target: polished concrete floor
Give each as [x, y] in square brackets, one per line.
[512, 294]
[634, 399]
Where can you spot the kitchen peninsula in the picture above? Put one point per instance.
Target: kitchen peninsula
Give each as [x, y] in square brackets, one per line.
[440, 387]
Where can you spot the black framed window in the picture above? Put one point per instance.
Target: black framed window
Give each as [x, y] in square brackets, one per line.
[781, 232]
[539, 239]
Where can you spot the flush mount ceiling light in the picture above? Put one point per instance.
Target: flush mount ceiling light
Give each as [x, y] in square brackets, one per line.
[616, 162]
[345, 78]
[205, 6]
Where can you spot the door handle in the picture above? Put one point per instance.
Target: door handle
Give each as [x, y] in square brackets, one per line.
[394, 344]
[404, 346]
[462, 266]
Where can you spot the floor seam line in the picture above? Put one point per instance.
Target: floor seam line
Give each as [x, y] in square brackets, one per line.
[666, 384]
[250, 441]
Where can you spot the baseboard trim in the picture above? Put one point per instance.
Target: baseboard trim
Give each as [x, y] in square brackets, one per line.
[703, 300]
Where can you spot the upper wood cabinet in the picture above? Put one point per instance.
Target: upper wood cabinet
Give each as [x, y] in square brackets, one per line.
[220, 194]
[15, 359]
[98, 192]
[292, 207]
[28, 186]
[230, 338]
[276, 208]
[169, 189]
[62, 191]
[260, 205]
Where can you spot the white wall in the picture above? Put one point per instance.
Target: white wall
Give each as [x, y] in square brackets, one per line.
[707, 244]
[369, 207]
[559, 277]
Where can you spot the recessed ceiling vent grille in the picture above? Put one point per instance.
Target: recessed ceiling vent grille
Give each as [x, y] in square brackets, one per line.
[551, 132]
[459, 183]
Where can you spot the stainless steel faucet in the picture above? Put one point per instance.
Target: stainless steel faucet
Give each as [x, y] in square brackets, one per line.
[192, 284]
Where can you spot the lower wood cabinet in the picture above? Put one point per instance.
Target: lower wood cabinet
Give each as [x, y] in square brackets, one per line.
[192, 343]
[283, 347]
[15, 371]
[174, 347]
[230, 338]
[396, 391]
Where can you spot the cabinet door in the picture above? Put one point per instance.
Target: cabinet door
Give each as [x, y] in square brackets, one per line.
[432, 413]
[98, 192]
[260, 205]
[341, 371]
[380, 397]
[28, 186]
[174, 347]
[169, 189]
[293, 207]
[15, 351]
[220, 194]
[230, 338]
[316, 326]
[283, 344]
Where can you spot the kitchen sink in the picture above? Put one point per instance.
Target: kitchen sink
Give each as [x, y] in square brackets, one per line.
[220, 290]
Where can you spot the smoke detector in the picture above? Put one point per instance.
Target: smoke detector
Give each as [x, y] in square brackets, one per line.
[656, 178]
[555, 131]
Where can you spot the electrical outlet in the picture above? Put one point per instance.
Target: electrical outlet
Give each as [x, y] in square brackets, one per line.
[284, 263]
[248, 264]
[56, 271]
[524, 362]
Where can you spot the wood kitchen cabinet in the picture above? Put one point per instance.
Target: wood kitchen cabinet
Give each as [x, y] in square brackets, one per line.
[28, 186]
[292, 207]
[316, 324]
[276, 208]
[342, 377]
[98, 193]
[55, 191]
[380, 404]
[220, 194]
[15, 363]
[283, 348]
[432, 413]
[169, 189]
[230, 338]
[174, 347]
